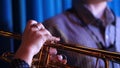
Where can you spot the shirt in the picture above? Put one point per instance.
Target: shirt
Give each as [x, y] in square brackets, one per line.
[18, 63]
[79, 26]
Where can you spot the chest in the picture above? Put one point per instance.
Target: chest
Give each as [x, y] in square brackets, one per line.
[89, 36]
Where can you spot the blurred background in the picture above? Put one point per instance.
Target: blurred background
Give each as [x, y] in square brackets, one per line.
[14, 15]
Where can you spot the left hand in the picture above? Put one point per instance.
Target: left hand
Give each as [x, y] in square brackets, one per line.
[34, 36]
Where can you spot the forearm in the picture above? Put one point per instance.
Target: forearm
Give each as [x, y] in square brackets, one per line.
[25, 54]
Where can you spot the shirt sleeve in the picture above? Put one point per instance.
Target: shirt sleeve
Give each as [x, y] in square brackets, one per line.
[18, 63]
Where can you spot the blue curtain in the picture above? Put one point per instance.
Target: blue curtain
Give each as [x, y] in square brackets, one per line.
[15, 13]
[115, 6]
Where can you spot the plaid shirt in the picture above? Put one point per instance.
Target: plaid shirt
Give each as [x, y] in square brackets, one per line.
[17, 63]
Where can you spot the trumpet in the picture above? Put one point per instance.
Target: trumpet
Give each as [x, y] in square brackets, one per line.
[105, 55]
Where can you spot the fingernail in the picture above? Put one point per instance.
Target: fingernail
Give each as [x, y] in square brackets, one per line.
[60, 57]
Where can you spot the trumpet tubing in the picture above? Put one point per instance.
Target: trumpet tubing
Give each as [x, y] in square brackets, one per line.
[113, 56]
[10, 35]
[105, 55]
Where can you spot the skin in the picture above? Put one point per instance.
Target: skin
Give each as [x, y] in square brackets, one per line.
[32, 41]
[97, 7]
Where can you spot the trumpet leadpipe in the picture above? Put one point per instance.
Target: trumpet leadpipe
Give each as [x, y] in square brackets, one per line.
[10, 35]
[113, 56]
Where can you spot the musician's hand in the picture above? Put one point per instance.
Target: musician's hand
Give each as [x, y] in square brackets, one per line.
[57, 58]
[35, 35]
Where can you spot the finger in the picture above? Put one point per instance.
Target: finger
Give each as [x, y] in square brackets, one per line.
[40, 25]
[28, 26]
[48, 36]
[30, 23]
[52, 39]
[59, 57]
[64, 61]
[53, 51]
[44, 32]
[62, 57]
[36, 27]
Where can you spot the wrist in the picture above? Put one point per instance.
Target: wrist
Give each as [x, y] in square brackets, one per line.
[25, 53]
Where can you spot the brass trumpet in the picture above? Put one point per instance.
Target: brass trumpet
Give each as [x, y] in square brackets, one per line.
[105, 55]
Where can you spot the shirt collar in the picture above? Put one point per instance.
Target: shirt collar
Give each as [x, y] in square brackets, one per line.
[87, 17]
